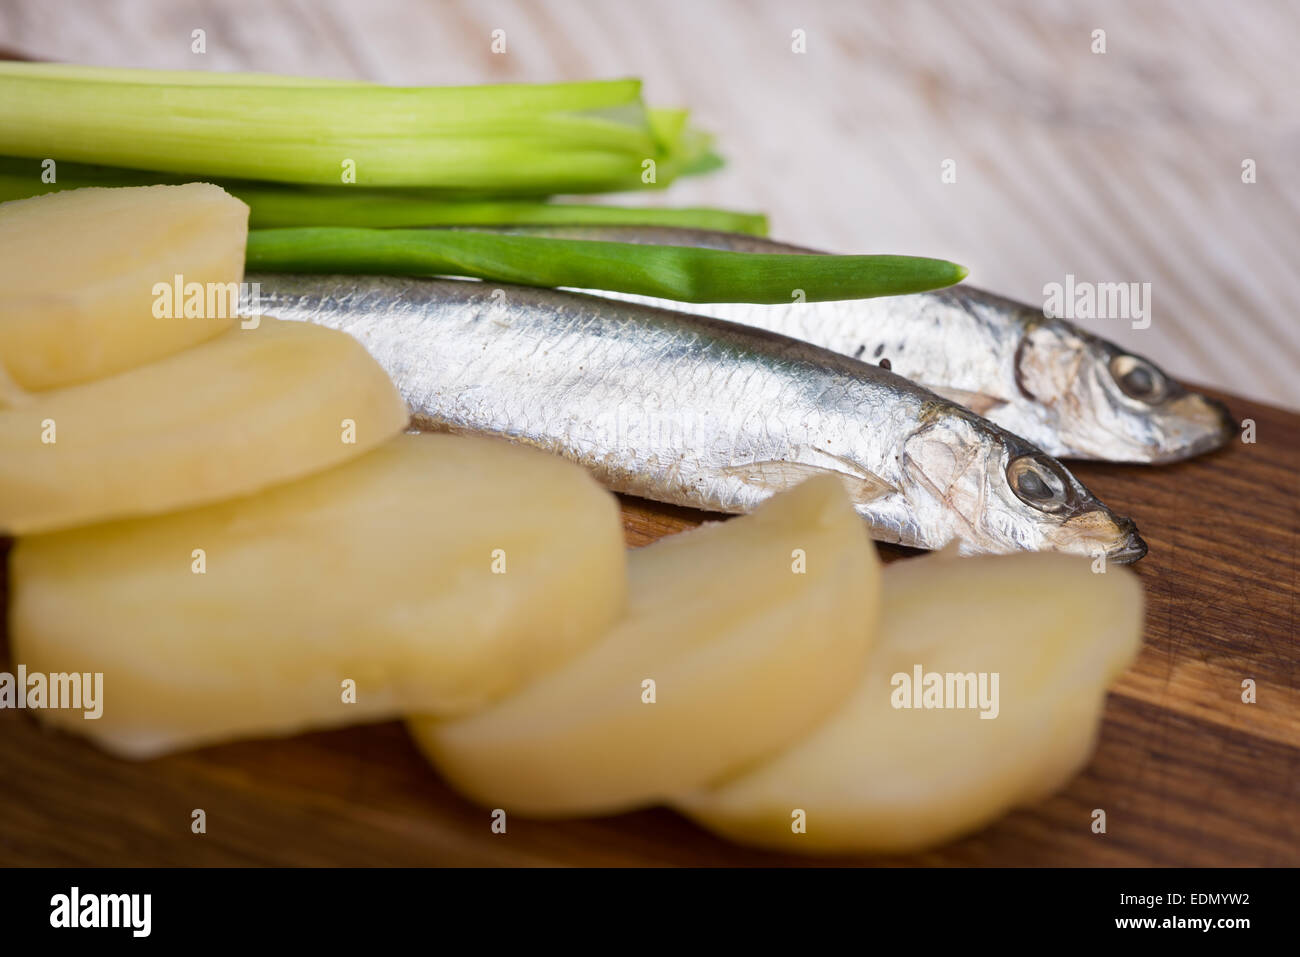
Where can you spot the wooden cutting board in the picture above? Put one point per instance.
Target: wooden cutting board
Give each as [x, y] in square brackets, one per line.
[1188, 774]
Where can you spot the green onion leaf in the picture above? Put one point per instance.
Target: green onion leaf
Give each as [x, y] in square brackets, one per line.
[280, 204]
[686, 274]
[272, 207]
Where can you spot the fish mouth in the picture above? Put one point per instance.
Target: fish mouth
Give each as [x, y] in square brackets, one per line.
[1098, 531]
[1131, 549]
[1221, 429]
[1199, 425]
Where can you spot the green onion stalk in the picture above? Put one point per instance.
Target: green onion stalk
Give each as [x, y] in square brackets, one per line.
[516, 139]
[685, 274]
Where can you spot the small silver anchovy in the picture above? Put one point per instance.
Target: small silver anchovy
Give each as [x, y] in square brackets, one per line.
[704, 413]
[1071, 393]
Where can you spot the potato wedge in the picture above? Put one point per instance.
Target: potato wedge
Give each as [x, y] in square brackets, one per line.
[746, 655]
[437, 572]
[876, 778]
[78, 271]
[244, 411]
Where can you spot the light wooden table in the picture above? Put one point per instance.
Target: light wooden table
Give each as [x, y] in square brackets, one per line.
[1116, 167]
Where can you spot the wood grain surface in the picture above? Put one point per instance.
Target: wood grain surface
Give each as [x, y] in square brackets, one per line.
[1187, 773]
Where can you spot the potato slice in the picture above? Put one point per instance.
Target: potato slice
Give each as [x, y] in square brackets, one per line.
[78, 271]
[745, 653]
[875, 778]
[11, 394]
[249, 409]
[437, 572]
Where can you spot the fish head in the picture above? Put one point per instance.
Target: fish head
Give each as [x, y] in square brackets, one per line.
[968, 480]
[1111, 404]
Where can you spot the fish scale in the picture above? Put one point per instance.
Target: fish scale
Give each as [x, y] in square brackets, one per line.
[704, 413]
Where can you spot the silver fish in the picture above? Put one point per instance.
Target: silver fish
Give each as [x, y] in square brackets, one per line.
[1073, 394]
[704, 413]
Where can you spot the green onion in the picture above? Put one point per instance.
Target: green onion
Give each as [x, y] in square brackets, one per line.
[686, 274]
[517, 139]
[390, 208]
[279, 204]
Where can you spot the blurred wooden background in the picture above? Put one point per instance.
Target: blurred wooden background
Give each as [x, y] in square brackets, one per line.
[1117, 167]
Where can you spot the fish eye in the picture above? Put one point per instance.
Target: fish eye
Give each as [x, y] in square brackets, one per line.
[1139, 379]
[1039, 483]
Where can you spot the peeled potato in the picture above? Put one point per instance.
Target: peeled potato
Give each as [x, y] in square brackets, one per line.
[249, 409]
[78, 271]
[437, 572]
[875, 778]
[10, 392]
[746, 655]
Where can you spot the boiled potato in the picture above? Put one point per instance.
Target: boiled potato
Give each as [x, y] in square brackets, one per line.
[880, 778]
[433, 574]
[79, 272]
[751, 632]
[228, 417]
[10, 393]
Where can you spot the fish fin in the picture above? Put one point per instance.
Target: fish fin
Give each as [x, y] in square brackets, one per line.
[981, 403]
[774, 475]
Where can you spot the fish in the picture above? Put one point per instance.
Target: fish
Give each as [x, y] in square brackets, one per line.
[704, 413]
[1072, 393]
